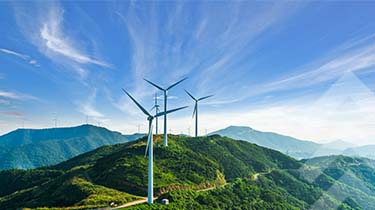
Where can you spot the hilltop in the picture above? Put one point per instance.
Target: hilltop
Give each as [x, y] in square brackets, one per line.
[32, 148]
[239, 175]
[294, 147]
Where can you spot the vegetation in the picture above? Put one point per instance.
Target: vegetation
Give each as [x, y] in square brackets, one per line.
[238, 174]
[31, 148]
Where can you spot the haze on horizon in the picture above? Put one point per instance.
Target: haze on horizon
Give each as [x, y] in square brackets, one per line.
[304, 69]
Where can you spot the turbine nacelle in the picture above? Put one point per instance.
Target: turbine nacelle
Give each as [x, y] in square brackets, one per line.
[149, 145]
[165, 91]
[195, 112]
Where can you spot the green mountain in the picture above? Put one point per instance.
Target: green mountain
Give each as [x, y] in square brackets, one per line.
[288, 145]
[32, 148]
[211, 172]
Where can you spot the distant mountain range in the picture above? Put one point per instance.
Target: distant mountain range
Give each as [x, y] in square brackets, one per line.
[31, 148]
[296, 148]
[210, 172]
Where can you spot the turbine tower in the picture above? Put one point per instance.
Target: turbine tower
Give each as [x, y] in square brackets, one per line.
[165, 91]
[195, 112]
[149, 146]
[157, 109]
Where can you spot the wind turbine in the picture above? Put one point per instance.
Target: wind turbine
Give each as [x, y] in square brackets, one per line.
[157, 109]
[149, 146]
[195, 112]
[165, 91]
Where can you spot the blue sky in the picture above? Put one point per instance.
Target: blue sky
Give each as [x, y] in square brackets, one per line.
[271, 65]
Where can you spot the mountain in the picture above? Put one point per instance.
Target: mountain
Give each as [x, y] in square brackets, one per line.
[210, 172]
[288, 145]
[32, 148]
[339, 145]
[367, 151]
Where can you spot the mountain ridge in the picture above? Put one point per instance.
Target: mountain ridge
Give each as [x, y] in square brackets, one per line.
[118, 174]
[31, 148]
[297, 148]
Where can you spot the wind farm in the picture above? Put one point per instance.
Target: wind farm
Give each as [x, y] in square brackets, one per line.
[149, 145]
[165, 94]
[217, 105]
[150, 118]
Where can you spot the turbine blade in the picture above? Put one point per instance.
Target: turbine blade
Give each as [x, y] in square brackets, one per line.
[195, 110]
[170, 87]
[155, 85]
[170, 111]
[205, 97]
[153, 108]
[190, 95]
[148, 139]
[139, 106]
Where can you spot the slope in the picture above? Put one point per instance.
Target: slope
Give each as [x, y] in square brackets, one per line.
[32, 148]
[285, 144]
[117, 174]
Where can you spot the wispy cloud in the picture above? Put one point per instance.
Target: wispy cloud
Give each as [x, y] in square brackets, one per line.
[12, 113]
[11, 52]
[45, 29]
[4, 102]
[352, 56]
[345, 111]
[15, 96]
[20, 55]
[164, 50]
[354, 60]
[87, 107]
[54, 41]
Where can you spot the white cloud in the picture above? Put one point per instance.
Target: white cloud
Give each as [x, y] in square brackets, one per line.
[4, 102]
[89, 110]
[19, 55]
[11, 52]
[15, 96]
[43, 25]
[87, 107]
[53, 39]
[348, 57]
[345, 111]
[354, 60]
[33, 62]
[10, 95]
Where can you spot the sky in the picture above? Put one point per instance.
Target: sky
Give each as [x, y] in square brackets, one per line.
[304, 69]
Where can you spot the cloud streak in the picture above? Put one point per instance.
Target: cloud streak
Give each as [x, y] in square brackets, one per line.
[354, 56]
[11, 52]
[87, 107]
[15, 96]
[44, 27]
[12, 113]
[53, 40]
[20, 55]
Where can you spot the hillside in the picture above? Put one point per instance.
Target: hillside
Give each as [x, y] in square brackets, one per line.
[288, 145]
[240, 175]
[32, 148]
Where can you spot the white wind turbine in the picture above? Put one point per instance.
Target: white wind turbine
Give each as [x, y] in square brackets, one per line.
[157, 109]
[149, 146]
[195, 112]
[165, 91]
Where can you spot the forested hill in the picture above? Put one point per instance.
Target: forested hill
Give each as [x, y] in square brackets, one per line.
[31, 148]
[194, 173]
